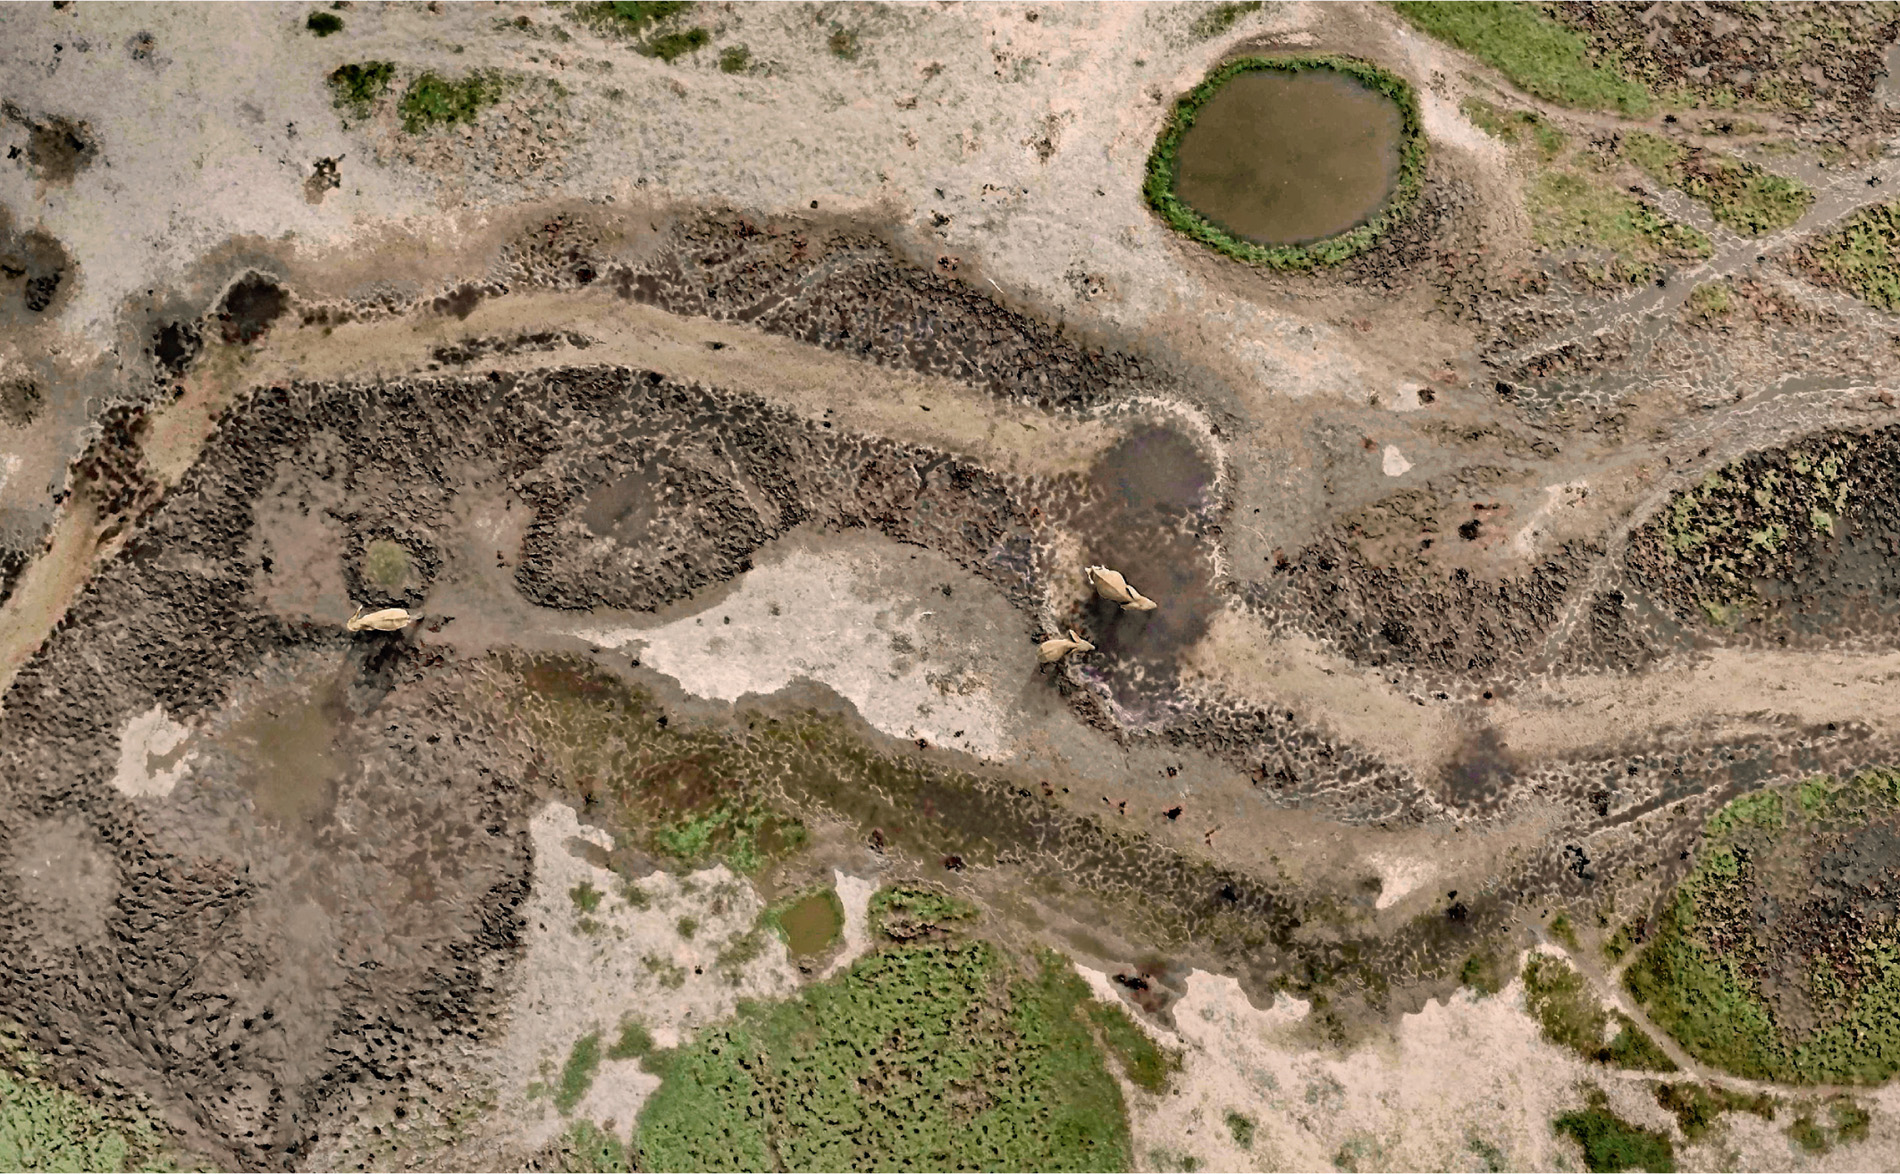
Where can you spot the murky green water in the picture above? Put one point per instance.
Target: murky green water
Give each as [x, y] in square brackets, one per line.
[812, 924]
[1282, 158]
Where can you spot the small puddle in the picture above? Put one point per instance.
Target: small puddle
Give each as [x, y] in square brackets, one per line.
[1283, 158]
[813, 923]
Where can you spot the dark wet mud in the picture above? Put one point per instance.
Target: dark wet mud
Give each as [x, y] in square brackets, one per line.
[1284, 158]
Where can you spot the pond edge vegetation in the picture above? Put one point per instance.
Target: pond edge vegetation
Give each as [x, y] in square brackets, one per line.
[1180, 216]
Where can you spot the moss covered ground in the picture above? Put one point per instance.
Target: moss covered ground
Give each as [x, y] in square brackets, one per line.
[937, 1056]
[1808, 991]
[433, 100]
[1159, 186]
[1535, 53]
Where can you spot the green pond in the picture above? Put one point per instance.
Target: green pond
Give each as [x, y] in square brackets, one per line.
[1282, 158]
[813, 923]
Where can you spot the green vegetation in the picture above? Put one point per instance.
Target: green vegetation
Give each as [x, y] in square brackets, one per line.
[843, 44]
[1221, 17]
[1746, 520]
[1144, 1063]
[1484, 972]
[737, 834]
[1702, 976]
[1572, 1016]
[634, 1041]
[1242, 1127]
[592, 1150]
[577, 1075]
[668, 46]
[1573, 209]
[45, 1127]
[1849, 1124]
[687, 927]
[906, 913]
[1710, 301]
[919, 1057]
[629, 18]
[1538, 55]
[433, 100]
[386, 564]
[1563, 931]
[1738, 193]
[1611, 1143]
[1516, 126]
[1158, 188]
[1862, 256]
[1697, 1106]
[735, 59]
[324, 23]
[585, 896]
[358, 85]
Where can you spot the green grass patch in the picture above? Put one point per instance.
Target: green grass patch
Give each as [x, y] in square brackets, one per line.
[45, 1127]
[924, 1057]
[433, 100]
[589, 1149]
[1538, 55]
[914, 912]
[1862, 256]
[1739, 194]
[1711, 301]
[735, 59]
[1571, 1016]
[356, 86]
[1702, 977]
[634, 1041]
[669, 46]
[1219, 18]
[1158, 188]
[577, 1075]
[323, 23]
[1242, 1128]
[1611, 1143]
[1573, 209]
[687, 927]
[1146, 1064]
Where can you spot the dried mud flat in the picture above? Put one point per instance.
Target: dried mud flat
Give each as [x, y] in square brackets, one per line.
[735, 473]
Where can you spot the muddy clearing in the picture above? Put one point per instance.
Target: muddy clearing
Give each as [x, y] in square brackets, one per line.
[736, 460]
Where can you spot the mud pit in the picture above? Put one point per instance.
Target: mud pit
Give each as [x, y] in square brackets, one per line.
[735, 480]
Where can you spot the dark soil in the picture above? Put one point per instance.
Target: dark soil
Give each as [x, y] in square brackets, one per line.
[250, 307]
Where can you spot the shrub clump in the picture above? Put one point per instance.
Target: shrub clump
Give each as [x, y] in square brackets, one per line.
[358, 84]
[1179, 215]
[324, 23]
[1611, 1143]
[1572, 1017]
[433, 100]
[922, 1057]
